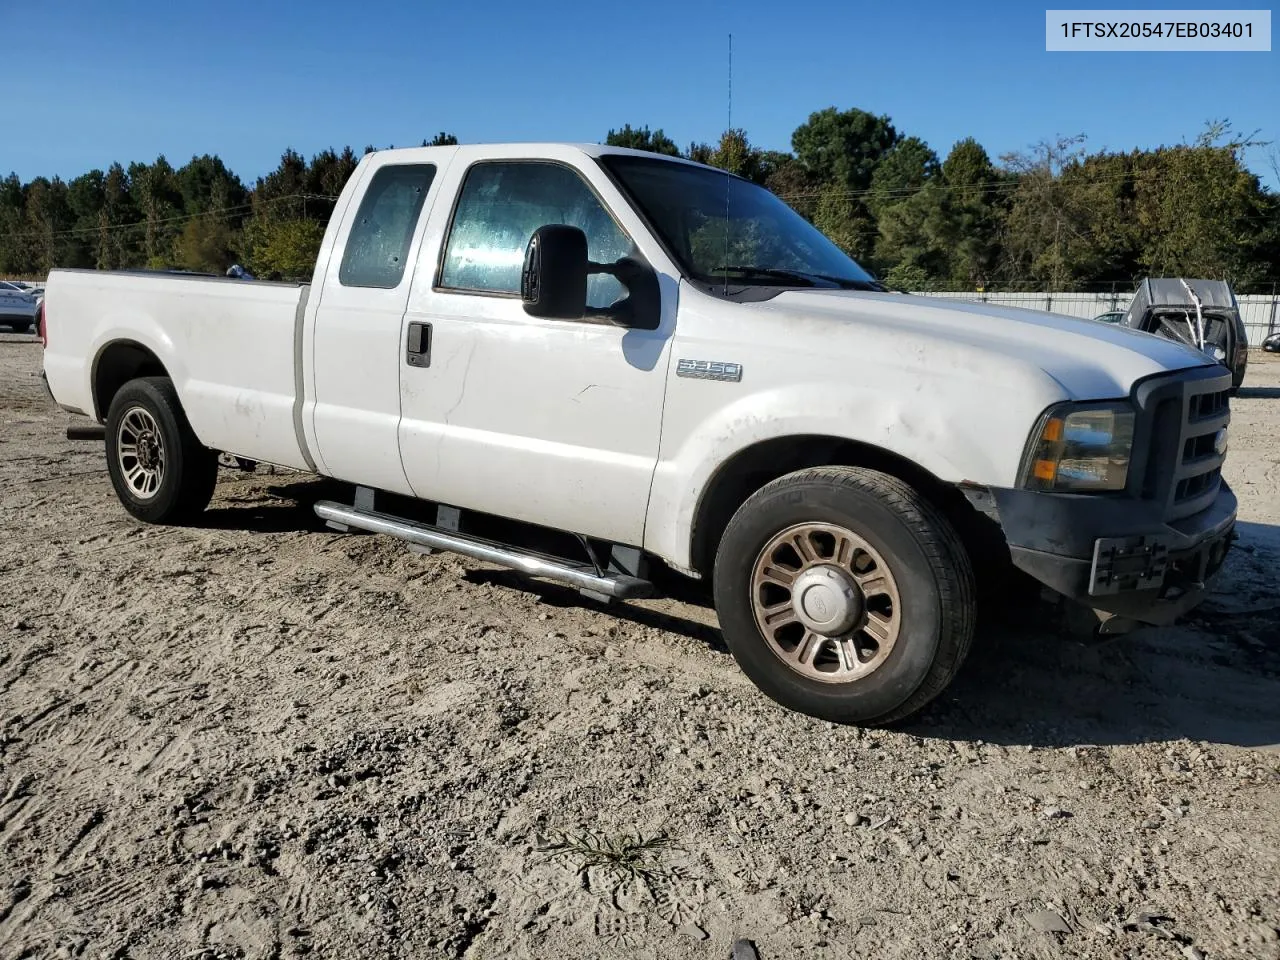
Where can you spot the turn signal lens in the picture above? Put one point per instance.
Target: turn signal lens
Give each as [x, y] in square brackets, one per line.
[1046, 470]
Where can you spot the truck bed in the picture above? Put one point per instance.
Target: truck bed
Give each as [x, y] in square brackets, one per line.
[229, 346]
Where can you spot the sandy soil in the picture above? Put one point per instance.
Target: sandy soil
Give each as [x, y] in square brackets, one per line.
[264, 739]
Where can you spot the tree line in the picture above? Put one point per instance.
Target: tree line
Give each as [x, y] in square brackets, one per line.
[1055, 216]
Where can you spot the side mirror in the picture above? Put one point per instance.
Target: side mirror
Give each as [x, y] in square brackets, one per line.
[642, 307]
[553, 282]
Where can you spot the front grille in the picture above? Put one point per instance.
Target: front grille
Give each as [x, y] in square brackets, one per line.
[1198, 473]
[1195, 486]
[1197, 448]
[1205, 405]
[1181, 415]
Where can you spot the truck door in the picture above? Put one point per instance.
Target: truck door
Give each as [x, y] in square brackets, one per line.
[550, 421]
[356, 333]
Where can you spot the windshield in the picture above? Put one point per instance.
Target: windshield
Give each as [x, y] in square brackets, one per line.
[760, 241]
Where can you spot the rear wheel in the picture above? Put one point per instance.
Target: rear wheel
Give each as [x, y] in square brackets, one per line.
[845, 595]
[160, 470]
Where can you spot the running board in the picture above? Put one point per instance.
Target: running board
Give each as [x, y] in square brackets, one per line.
[583, 576]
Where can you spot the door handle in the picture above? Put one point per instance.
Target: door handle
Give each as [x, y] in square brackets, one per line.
[417, 352]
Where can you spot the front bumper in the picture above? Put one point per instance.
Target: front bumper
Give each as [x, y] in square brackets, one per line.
[1118, 556]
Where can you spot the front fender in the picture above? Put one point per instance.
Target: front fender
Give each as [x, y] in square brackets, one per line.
[977, 439]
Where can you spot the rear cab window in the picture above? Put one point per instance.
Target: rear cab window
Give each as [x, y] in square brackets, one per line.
[377, 245]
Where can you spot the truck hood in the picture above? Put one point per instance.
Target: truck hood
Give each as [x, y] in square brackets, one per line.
[1090, 360]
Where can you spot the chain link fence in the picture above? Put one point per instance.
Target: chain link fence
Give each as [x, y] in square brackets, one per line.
[1260, 311]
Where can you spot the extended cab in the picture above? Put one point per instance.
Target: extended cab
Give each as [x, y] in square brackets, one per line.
[662, 361]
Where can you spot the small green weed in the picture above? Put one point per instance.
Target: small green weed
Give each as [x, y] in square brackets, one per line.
[626, 857]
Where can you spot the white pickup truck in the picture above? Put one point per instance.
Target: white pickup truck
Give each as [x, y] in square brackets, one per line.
[649, 359]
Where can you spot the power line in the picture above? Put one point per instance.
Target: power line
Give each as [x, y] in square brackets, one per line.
[216, 213]
[993, 186]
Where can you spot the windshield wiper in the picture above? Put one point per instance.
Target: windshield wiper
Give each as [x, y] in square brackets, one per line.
[798, 276]
[795, 276]
[848, 283]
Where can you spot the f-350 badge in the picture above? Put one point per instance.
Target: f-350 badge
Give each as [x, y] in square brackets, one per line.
[709, 370]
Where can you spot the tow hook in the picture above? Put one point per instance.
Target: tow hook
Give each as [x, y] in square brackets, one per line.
[1113, 625]
[1089, 625]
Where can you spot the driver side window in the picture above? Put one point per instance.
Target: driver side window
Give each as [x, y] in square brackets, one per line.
[502, 203]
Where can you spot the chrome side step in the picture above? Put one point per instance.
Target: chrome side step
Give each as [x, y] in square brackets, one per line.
[618, 586]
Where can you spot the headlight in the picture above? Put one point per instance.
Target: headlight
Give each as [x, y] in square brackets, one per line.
[1080, 448]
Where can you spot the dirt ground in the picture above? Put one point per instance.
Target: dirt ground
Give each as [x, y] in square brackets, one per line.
[261, 738]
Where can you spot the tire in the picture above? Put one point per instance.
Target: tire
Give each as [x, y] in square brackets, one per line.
[20, 326]
[901, 565]
[169, 477]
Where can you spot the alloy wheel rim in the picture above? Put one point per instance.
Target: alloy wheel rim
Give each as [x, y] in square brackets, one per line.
[140, 452]
[826, 602]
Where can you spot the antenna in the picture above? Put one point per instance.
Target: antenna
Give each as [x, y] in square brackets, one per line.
[726, 172]
[731, 81]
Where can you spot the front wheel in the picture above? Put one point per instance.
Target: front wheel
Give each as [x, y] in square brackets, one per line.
[160, 470]
[845, 595]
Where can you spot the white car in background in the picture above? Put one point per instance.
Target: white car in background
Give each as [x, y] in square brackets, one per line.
[17, 307]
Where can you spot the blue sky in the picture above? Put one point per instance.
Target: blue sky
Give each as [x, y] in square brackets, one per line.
[129, 79]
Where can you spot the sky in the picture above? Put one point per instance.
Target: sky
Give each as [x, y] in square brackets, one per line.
[84, 83]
